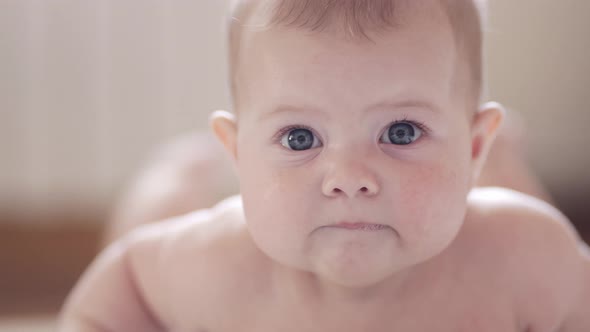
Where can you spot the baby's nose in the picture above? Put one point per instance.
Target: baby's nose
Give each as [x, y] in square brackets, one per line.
[350, 179]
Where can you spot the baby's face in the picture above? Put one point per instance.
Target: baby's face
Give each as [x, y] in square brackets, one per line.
[333, 133]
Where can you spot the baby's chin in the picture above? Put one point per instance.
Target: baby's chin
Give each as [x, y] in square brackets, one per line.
[367, 264]
[357, 274]
[349, 264]
[358, 268]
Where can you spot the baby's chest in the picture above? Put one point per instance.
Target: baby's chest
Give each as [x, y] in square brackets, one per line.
[440, 321]
[467, 306]
[459, 313]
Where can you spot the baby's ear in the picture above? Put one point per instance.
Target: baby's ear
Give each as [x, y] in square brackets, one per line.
[484, 129]
[225, 127]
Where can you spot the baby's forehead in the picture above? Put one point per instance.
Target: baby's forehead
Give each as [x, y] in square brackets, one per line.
[344, 78]
[357, 21]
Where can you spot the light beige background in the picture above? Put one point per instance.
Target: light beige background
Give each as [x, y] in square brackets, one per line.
[89, 87]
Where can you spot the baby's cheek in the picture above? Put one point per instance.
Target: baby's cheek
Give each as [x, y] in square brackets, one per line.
[275, 195]
[434, 198]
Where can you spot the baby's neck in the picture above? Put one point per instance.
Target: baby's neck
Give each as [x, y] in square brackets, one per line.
[312, 293]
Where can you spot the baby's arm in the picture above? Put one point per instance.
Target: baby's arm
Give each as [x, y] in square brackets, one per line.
[555, 271]
[579, 317]
[540, 256]
[108, 298]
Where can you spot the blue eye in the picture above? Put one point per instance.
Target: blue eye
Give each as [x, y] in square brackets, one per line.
[299, 139]
[401, 133]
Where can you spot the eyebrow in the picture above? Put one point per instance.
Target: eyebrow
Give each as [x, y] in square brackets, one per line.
[286, 108]
[380, 106]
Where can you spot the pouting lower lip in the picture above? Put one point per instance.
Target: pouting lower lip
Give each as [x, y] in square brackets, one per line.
[360, 226]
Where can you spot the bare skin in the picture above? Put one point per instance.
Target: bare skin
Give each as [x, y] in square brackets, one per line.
[357, 209]
[235, 287]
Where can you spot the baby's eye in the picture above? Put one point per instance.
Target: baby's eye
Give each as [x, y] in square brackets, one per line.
[401, 133]
[299, 139]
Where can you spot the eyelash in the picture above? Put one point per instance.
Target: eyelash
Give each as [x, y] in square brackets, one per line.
[418, 124]
[282, 132]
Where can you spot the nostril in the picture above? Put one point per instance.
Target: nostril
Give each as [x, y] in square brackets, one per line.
[337, 190]
[364, 189]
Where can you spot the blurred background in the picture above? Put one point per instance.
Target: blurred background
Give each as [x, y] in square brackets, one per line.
[89, 88]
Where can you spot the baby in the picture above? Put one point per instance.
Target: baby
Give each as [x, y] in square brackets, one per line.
[357, 136]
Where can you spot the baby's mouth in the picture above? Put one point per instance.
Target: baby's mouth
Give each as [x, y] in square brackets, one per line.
[360, 226]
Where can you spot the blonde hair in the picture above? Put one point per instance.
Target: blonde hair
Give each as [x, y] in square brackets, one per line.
[357, 17]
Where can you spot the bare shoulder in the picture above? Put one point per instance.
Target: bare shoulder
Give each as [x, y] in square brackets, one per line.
[518, 216]
[197, 232]
[192, 263]
[532, 248]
